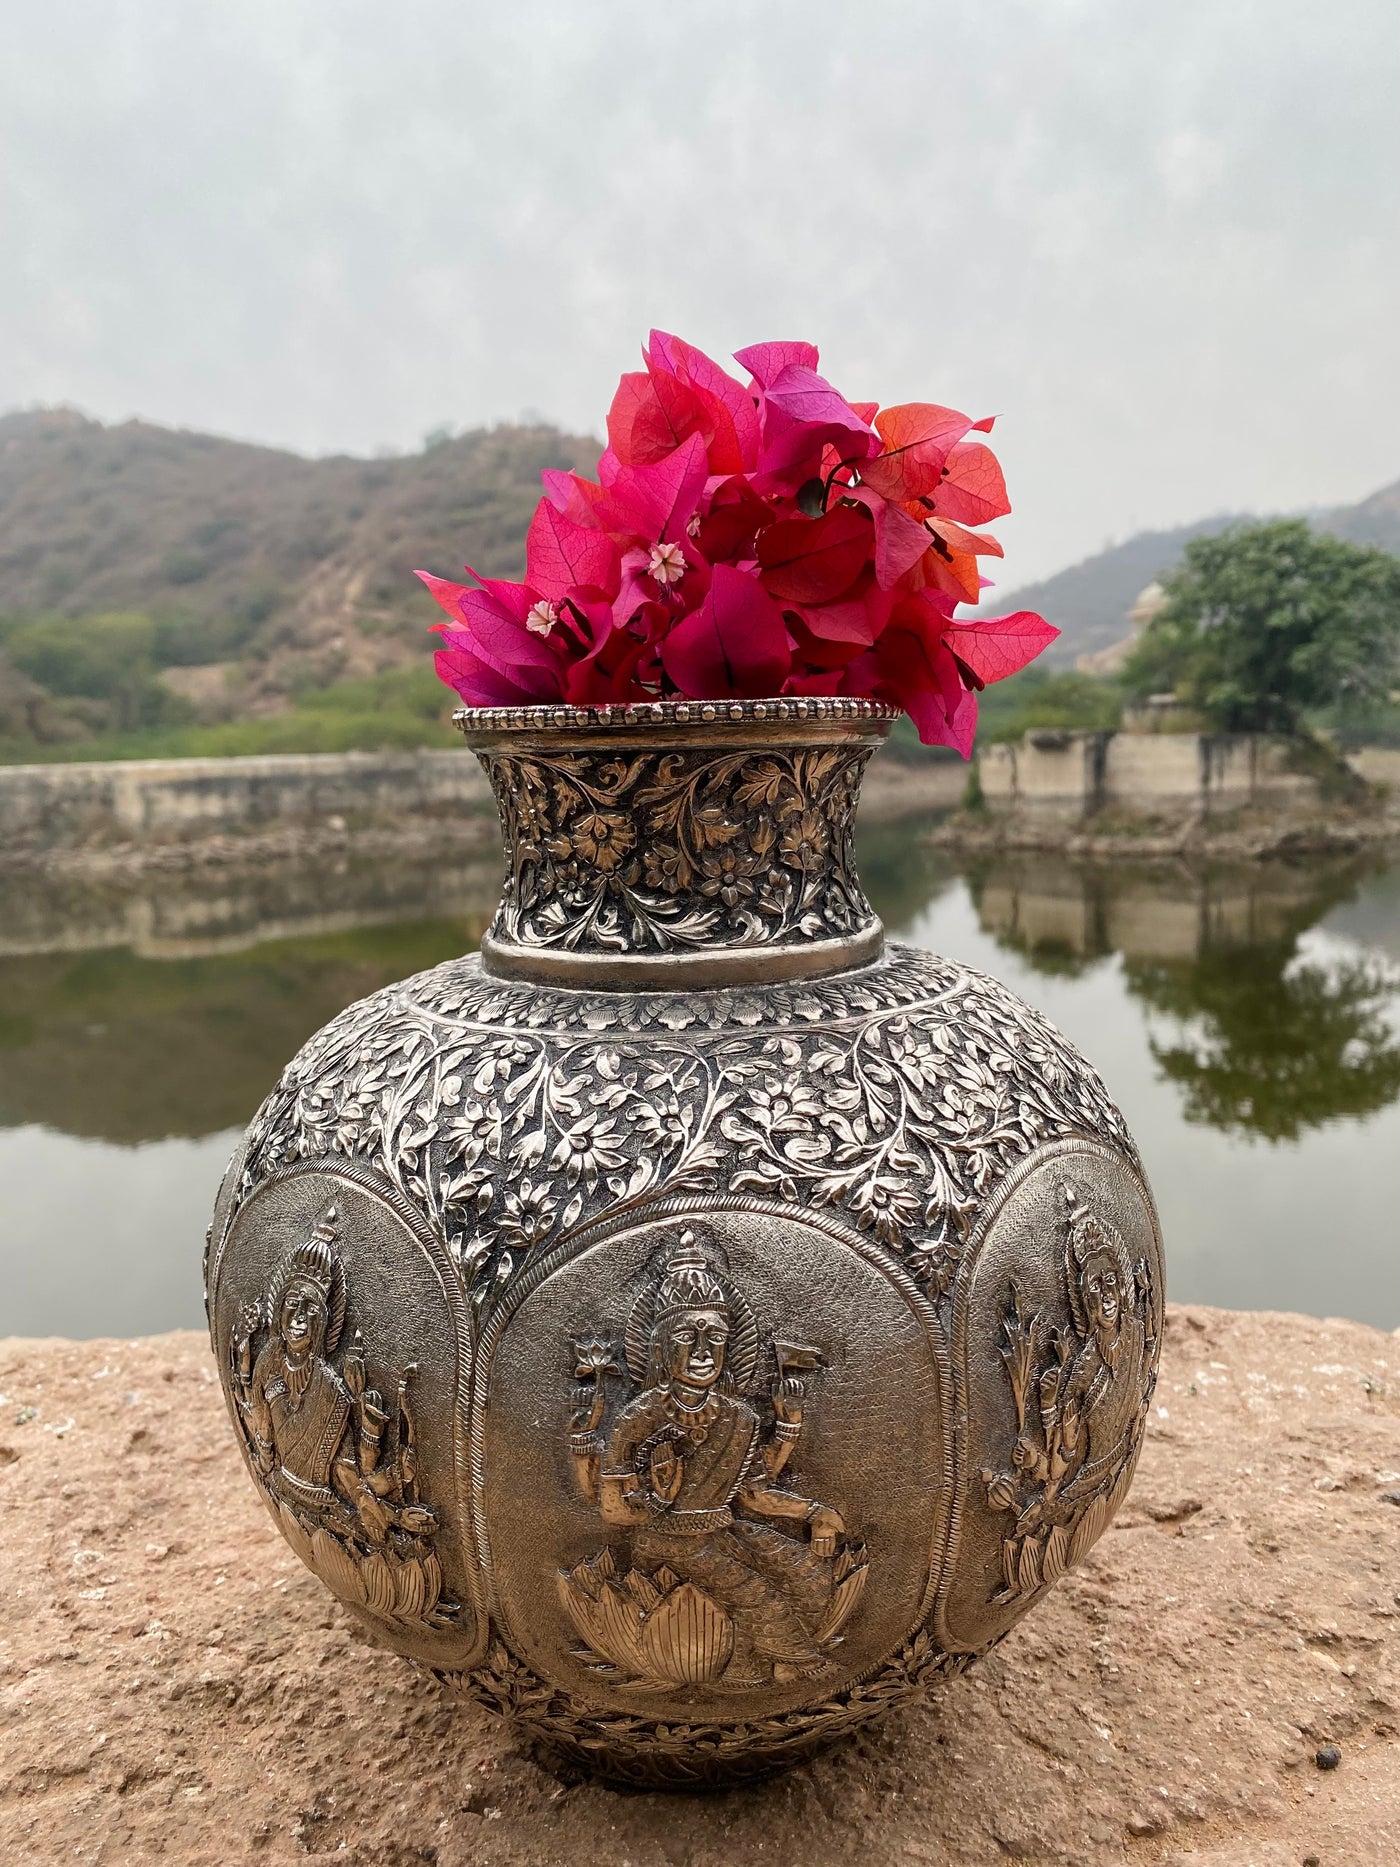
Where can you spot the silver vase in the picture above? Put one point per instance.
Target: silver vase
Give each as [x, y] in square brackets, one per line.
[693, 1325]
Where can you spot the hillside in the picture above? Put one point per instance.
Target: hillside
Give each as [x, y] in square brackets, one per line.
[166, 592]
[254, 575]
[1089, 602]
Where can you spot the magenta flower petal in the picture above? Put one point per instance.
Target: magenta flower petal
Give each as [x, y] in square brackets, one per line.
[995, 646]
[478, 684]
[765, 362]
[649, 419]
[655, 503]
[486, 631]
[938, 724]
[734, 644]
[900, 541]
[804, 396]
[815, 560]
[572, 495]
[560, 554]
[734, 443]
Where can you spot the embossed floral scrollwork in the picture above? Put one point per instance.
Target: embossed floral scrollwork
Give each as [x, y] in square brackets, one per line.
[677, 849]
[896, 1098]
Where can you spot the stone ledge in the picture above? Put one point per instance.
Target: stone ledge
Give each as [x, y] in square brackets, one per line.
[173, 1686]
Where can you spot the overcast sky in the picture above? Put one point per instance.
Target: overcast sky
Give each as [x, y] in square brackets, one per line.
[1161, 238]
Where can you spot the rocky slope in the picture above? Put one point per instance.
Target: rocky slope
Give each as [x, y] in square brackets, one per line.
[283, 571]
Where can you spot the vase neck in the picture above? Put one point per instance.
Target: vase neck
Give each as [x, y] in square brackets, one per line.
[681, 845]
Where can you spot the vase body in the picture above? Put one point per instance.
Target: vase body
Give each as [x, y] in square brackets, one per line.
[692, 1325]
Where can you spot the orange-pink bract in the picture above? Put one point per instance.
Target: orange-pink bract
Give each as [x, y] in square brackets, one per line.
[751, 539]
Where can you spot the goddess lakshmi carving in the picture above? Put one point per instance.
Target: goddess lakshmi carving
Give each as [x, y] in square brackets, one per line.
[337, 1467]
[737, 1579]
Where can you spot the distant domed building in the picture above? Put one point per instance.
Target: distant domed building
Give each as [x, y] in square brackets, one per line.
[1149, 604]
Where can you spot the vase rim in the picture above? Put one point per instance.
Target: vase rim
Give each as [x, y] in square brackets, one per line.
[781, 709]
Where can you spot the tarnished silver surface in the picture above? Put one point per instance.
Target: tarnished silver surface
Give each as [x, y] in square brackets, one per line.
[693, 1373]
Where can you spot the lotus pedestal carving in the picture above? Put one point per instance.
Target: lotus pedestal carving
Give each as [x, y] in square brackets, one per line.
[694, 1325]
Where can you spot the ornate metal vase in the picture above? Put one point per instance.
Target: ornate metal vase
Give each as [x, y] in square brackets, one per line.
[692, 1326]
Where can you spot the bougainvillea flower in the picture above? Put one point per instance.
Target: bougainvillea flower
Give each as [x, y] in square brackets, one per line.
[991, 647]
[918, 438]
[858, 616]
[735, 644]
[799, 412]
[734, 518]
[480, 685]
[814, 560]
[748, 539]
[900, 539]
[911, 659]
[972, 489]
[655, 501]
[730, 420]
[561, 554]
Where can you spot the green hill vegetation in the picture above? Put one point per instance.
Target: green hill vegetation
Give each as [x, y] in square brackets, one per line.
[166, 593]
[1267, 626]
[169, 594]
[1090, 601]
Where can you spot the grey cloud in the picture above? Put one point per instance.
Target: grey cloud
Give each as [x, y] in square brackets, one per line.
[1159, 238]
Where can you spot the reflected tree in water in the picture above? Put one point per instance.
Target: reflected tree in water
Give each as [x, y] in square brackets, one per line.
[1273, 1043]
[1270, 1040]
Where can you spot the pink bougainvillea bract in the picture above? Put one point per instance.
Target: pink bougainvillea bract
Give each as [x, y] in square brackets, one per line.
[749, 539]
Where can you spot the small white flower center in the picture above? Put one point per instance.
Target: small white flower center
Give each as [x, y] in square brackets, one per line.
[542, 618]
[666, 563]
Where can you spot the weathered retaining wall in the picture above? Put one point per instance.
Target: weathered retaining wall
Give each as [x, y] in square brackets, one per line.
[1377, 765]
[1072, 773]
[178, 800]
[154, 802]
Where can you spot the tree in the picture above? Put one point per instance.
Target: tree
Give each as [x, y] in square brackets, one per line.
[1266, 622]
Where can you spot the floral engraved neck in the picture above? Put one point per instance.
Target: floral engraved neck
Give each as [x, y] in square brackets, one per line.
[633, 850]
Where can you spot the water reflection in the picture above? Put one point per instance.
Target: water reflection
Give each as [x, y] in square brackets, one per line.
[1264, 1038]
[140, 1026]
[169, 1007]
[1280, 1045]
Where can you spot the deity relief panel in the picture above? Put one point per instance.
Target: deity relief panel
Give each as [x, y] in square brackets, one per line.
[737, 1487]
[1057, 1349]
[736, 1576]
[340, 1367]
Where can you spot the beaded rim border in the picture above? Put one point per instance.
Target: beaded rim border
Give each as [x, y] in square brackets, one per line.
[675, 713]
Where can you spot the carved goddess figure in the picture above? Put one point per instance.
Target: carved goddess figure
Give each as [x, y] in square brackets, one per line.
[1108, 1385]
[748, 1570]
[317, 1435]
[1081, 1395]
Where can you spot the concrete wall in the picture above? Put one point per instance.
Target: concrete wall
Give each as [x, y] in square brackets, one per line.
[165, 800]
[1377, 765]
[1071, 773]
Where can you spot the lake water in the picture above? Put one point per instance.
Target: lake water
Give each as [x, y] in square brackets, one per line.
[1246, 1019]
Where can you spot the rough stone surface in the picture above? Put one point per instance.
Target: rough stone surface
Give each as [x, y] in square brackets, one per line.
[174, 1687]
